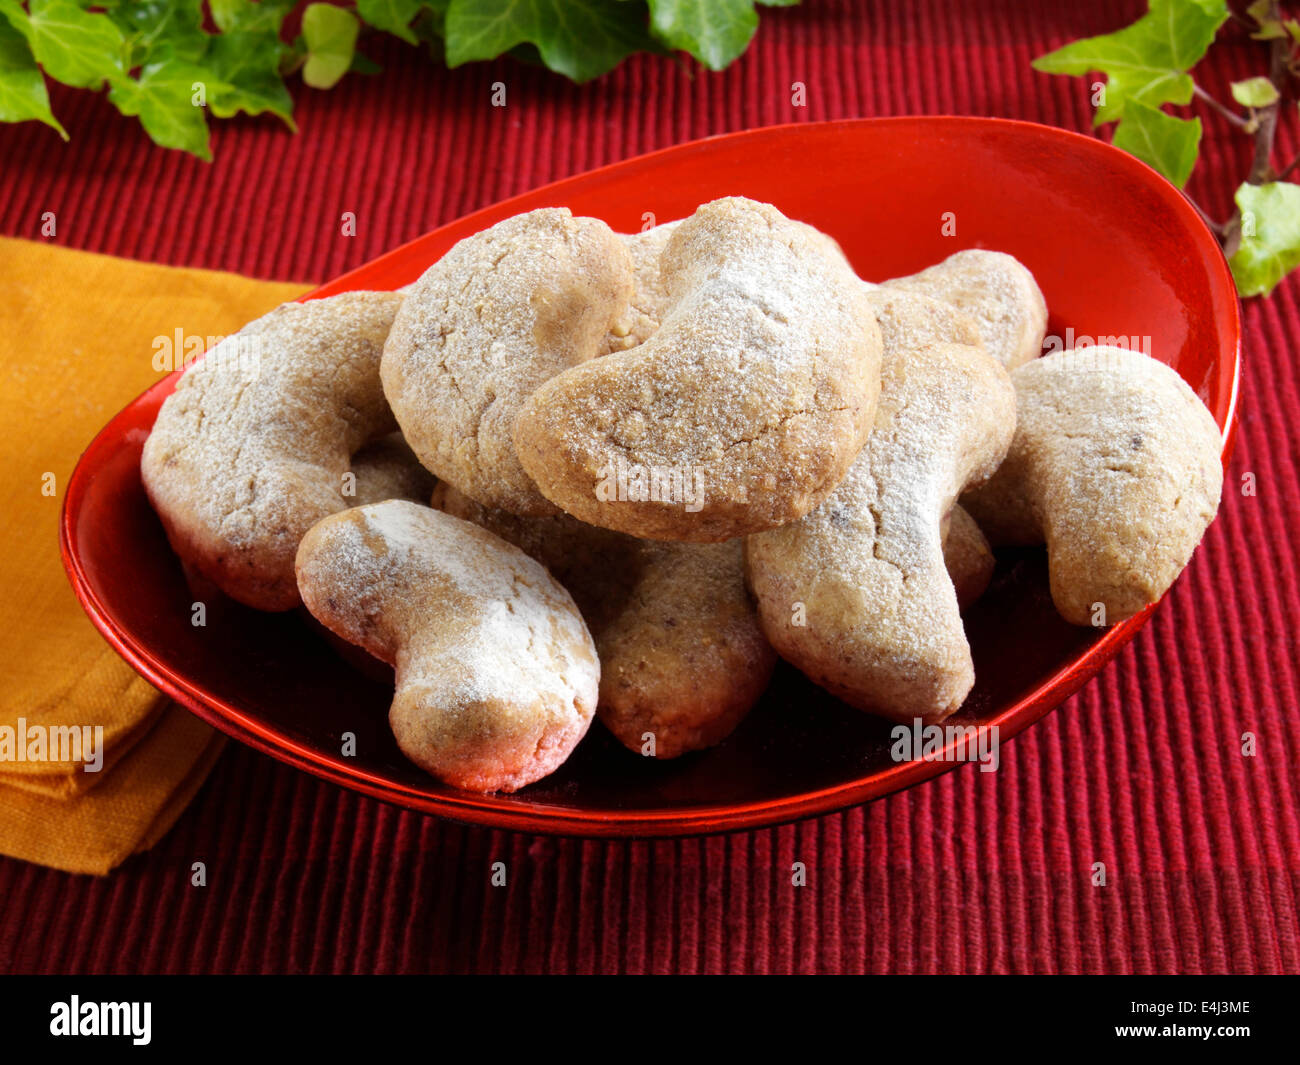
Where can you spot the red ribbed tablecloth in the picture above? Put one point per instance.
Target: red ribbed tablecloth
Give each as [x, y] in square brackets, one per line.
[983, 872]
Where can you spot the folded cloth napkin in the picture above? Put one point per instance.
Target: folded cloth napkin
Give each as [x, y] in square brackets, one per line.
[77, 341]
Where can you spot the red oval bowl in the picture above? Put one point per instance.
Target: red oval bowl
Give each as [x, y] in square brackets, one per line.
[1118, 252]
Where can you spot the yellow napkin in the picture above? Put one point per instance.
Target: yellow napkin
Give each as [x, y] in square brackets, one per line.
[77, 335]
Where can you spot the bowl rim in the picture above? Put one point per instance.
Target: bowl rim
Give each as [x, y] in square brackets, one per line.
[497, 811]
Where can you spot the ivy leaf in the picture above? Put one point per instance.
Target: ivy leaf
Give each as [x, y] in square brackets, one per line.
[391, 16]
[1270, 236]
[1165, 143]
[715, 33]
[430, 28]
[331, 37]
[1254, 92]
[243, 74]
[581, 39]
[22, 87]
[434, 18]
[79, 48]
[1269, 26]
[1269, 31]
[1148, 60]
[249, 16]
[163, 99]
[154, 26]
[154, 55]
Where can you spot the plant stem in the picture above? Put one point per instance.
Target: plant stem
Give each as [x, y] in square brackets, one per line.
[1261, 165]
[1226, 112]
[1218, 228]
[1286, 170]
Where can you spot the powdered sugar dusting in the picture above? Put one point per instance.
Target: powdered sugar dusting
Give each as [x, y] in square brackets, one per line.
[997, 292]
[503, 311]
[763, 373]
[244, 458]
[1116, 464]
[641, 319]
[462, 603]
[882, 626]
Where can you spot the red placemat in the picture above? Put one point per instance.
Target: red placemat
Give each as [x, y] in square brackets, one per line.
[984, 872]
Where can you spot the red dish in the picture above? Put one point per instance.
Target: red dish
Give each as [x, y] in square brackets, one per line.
[1118, 252]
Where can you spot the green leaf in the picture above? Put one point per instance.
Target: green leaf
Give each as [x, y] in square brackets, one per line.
[331, 36]
[715, 33]
[155, 27]
[267, 16]
[163, 98]
[435, 14]
[153, 53]
[430, 28]
[79, 48]
[1148, 60]
[243, 74]
[1254, 92]
[580, 39]
[293, 56]
[391, 16]
[1165, 143]
[1269, 31]
[262, 19]
[22, 88]
[1270, 27]
[1270, 236]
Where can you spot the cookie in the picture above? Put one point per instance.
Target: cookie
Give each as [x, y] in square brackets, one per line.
[496, 674]
[645, 310]
[682, 655]
[249, 453]
[1115, 466]
[649, 290]
[909, 320]
[501, 313]
[996, 292]
[967, 556]
[388, 469]
[857, 594]
[742, 412]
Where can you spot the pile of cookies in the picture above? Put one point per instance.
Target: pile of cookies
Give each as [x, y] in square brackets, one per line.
[570, 472]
